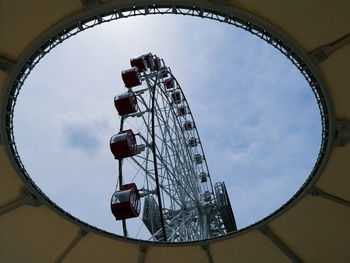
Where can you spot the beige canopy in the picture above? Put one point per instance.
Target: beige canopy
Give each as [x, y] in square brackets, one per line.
[315, 227]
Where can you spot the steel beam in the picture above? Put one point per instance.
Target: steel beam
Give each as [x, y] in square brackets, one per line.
[74, 242]
[342, 133]
[318, 192]
[5, 64]
[26, 198]
[280, 245]
[142, 254]
[322, 53]
[207, 253]
[11, 206]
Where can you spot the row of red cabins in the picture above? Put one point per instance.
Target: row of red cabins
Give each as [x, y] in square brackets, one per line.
[125, 203]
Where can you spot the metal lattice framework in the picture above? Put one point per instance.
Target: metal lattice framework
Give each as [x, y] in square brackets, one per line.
[171, 165]
[110, 14]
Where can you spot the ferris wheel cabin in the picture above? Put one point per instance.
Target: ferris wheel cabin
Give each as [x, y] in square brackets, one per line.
[157, 64]
[193, 142]
[125, 203]
[169, 83]
[123, 144]
[198, 158]
[150, 61]
[188, 125]
[164, 73]
[203, 177]
[176, 96]
[139, 62]
[125, 103]
[131, 77]
[182, 111]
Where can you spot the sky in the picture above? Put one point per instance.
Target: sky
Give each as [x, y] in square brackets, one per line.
[257, 117]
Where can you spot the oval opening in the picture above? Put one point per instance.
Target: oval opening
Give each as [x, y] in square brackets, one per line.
[257, 117]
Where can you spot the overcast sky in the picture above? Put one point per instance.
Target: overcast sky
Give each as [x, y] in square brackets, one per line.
[257, 118]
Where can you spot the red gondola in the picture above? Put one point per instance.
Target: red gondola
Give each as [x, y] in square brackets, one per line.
[157, 63]
[198, 158]
[176, 96]
[182, 110]
[203, 176]
[131, 77]
[123, 144]
[150, 61]
[164, 73]
[126, 202]
[187, 125]
[193, 142]
[169, 83]
[139, 62]
[125, 103]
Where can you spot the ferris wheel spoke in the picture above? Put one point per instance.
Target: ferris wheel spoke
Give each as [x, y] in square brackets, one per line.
[167, 167]
[177, 150]
[150, 176]
[164, 163]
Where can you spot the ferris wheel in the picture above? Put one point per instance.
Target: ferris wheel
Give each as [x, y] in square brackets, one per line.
[163, 175]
